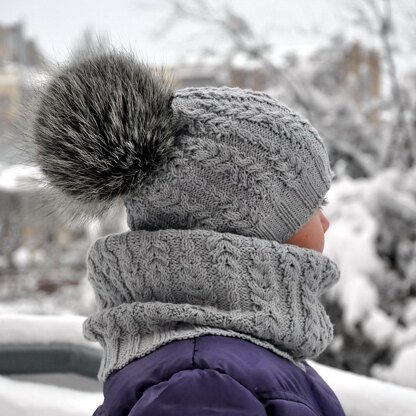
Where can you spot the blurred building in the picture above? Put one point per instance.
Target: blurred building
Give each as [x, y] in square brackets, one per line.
[349, 66]
[16, 48]
[196, 76]
[10, 93]
[20, 62]
[362, 67]
[340, 64]
[236, 72]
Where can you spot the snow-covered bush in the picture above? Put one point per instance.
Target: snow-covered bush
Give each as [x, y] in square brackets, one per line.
[372, 237]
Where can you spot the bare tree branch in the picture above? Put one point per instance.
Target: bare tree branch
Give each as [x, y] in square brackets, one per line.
[242, 39]
[377, 17]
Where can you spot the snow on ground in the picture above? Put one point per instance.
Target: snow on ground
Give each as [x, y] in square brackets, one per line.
[32, 399]
[403, 369]
[46, 394]
[359, 395]
[364, 396]
[40, 329]
[66, 380]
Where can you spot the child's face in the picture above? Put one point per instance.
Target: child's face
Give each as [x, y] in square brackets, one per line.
[311, 235]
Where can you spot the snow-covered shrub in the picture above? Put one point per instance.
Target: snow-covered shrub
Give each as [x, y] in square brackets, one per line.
[372, 237]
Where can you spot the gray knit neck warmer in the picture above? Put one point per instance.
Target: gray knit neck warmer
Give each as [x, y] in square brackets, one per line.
[156, 287]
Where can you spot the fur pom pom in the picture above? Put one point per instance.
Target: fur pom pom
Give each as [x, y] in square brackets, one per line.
[102, 125]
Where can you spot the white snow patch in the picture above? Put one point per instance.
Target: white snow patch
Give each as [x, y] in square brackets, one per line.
[364, 396]
[31, 399]
[402, 371]
[354, 211]
[349, 241]
[22, 257]
[29, 329]
[409, 314]
[19, 177]
[379, 327]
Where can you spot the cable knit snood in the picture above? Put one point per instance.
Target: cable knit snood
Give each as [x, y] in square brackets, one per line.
[154, 287]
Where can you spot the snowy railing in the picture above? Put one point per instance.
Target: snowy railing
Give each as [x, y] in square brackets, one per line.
[46, 344]
[69, 351]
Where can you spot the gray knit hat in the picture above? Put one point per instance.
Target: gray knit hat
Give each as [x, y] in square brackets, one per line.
[223, 159]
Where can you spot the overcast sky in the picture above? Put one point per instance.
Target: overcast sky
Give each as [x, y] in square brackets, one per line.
[57, 24]
[299, 25]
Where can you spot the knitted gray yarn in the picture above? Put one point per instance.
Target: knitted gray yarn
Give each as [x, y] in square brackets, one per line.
[247, 164]
[153, 287]
[206, 253]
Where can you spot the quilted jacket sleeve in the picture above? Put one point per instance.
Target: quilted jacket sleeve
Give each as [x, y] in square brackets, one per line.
[290, 406]
[198, 392]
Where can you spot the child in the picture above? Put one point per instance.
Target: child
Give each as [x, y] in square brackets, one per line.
[210, 304]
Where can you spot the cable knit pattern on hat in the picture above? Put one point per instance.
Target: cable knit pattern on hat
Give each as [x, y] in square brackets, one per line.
[246, 164]
[153, 287]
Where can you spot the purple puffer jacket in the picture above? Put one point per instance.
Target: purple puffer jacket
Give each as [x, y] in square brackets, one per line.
[216, 375]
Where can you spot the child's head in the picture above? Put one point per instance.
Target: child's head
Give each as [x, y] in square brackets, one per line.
[223, 159]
